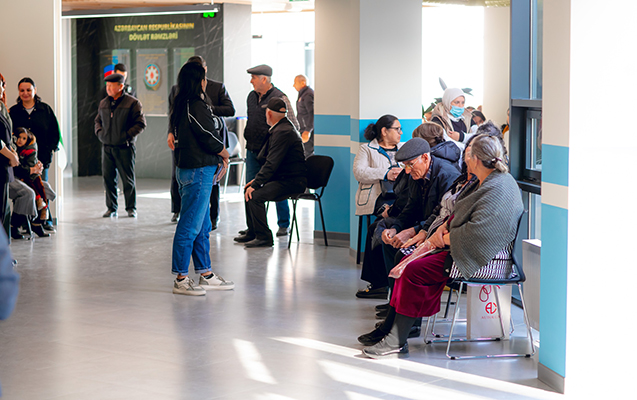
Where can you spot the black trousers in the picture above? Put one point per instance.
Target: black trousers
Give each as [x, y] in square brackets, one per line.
[272, 191]
[374, 270]
[122, 160]
[175, 198]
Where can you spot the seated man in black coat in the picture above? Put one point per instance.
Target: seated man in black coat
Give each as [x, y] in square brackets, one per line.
[431, 179]
[283, 174]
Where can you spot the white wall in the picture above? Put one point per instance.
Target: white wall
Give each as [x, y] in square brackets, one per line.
[497, 32]
[237, 41]
[31, 47]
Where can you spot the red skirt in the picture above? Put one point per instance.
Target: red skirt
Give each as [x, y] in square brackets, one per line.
[417, 292]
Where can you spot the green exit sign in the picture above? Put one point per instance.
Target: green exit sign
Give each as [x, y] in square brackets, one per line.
[209, 14]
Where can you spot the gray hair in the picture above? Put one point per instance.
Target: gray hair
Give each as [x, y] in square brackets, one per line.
[489, 150]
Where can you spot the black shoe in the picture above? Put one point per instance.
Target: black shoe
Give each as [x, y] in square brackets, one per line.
[371, 338]
[259, 243]
[175, 217]
[372, 293]
[214, 225]
[382, 307]
[382, 314]
[414, 332]
[37, 229]
[48, 226]
[15, 233]
[132, 213]
[243, 232]
[110, 214]
[282, 232]
[244, 238]
[383, 350]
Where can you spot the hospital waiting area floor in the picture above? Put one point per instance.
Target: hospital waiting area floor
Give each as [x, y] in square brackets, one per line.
[96, 318]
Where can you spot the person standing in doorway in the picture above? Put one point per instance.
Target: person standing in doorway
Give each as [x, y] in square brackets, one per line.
[256, 132]
[217, 97]
[305, 111]
[128, 89]
[118, 122]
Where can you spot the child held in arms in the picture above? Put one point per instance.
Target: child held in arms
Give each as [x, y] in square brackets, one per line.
[27, 149]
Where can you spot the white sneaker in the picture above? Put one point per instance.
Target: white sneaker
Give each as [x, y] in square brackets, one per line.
[215, 282]
[188, 287]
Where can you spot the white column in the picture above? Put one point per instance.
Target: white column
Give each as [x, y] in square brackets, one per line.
[497, 32]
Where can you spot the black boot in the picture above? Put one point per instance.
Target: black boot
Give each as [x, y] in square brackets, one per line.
[15, 233]
[36, 226]
[395, 343]
[16, 222]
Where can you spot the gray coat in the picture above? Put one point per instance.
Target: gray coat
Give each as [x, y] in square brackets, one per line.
[485, 221]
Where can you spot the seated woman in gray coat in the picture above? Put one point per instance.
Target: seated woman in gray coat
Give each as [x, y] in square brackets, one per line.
[483, 223]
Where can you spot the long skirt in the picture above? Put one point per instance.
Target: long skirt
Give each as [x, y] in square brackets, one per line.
[417, 292]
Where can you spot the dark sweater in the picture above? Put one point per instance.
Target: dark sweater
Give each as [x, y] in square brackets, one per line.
[257, 128]
[44, 125]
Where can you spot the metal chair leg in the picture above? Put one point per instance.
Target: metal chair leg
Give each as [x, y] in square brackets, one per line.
[293, 224]
[360, 234]
[322, 221]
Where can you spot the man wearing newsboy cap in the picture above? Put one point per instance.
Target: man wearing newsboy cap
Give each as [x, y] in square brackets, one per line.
[281, 175]
[256, 130]
[431, 178]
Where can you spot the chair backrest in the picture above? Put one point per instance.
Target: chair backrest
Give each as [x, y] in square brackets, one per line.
[319, 169]
[503, 267]
[233, 145]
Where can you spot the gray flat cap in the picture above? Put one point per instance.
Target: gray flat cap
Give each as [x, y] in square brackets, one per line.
[118, 78]
[261, 70]
[413, 148]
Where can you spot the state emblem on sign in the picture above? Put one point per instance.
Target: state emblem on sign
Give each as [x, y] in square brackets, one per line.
[152, 77]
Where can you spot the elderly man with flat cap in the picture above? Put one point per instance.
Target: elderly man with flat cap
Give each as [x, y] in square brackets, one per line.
[431, 178]
[282, 173]
[118, 122]
[256, 130]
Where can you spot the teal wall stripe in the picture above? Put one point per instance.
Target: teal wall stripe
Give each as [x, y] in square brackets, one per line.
[336, 200]
[553, 286]
[555, 164]
[408, 126]
[332, 124]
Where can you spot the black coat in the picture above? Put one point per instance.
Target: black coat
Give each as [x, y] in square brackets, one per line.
[44, 125]
[118, 122]
[281, 156]
[448, 151]
[425, 194]
[198, 136]
[256, 130]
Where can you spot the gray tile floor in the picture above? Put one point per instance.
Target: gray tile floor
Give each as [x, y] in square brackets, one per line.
[96, 319]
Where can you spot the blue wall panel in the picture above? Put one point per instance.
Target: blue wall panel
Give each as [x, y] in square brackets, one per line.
[555, 164]
[336, 200]
[553, 288]
[331, 124]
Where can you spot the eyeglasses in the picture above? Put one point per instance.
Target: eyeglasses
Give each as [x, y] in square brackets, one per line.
[398, 128]
[411, 165]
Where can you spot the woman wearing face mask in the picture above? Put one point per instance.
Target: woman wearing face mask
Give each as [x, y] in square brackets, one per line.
[31, 113]
[452, 115]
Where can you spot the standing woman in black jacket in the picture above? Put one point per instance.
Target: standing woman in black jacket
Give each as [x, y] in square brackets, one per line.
[32, 113]
[199, 153]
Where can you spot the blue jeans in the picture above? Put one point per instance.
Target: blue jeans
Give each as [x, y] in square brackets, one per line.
[192, 236]
[282, 207]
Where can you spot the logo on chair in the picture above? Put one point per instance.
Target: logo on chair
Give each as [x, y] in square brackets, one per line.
[490, 308]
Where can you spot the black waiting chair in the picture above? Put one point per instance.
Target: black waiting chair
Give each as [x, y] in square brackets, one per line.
[319, 169]
[504, 269]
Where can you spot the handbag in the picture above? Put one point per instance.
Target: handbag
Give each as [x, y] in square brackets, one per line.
[387, 189]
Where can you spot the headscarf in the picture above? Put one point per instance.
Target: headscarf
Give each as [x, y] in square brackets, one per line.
[4, 94]
[450, 95]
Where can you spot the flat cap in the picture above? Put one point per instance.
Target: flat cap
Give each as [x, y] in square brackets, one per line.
[261, 70]
[277, 104]
[413, 148]
[118, 78]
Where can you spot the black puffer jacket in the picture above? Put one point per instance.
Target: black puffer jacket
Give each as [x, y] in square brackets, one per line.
[282, 155]
[449, 151]
[118, 122]
[425, 194]
[198, 136]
